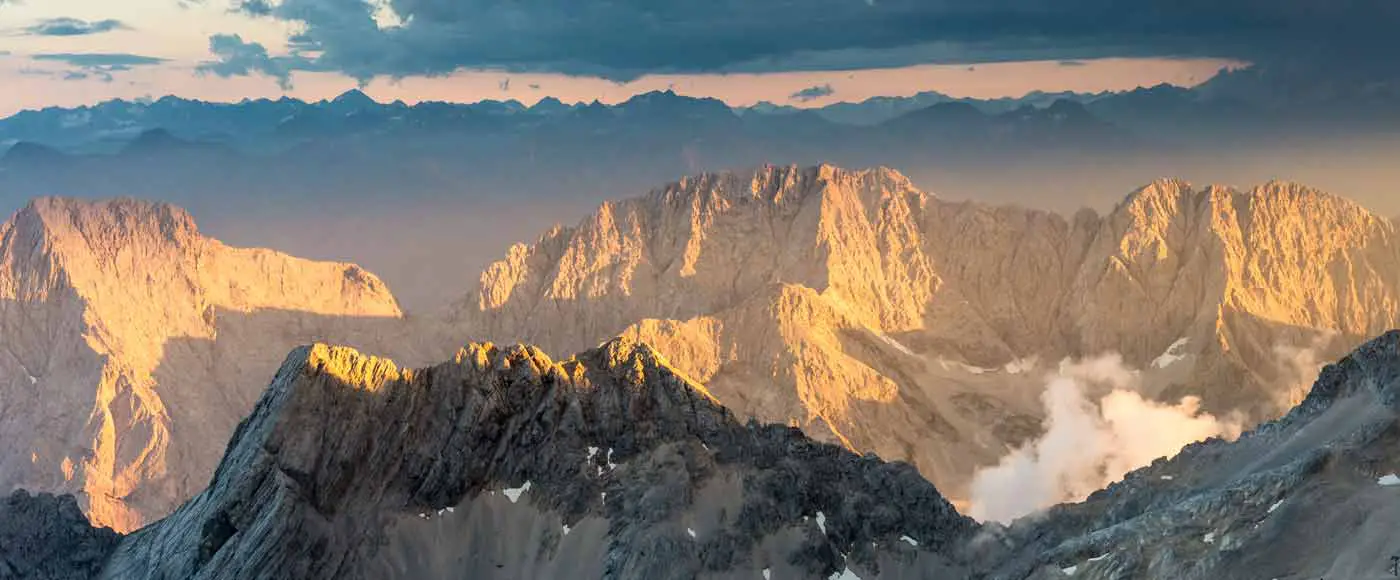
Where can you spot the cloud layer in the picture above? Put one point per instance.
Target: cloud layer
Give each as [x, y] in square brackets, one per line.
[626, 38]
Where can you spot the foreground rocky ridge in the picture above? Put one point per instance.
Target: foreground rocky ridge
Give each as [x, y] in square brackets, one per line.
[875, 315]
[131, 344]
[504, 464]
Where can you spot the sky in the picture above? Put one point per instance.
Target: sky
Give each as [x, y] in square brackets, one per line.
[75, 52]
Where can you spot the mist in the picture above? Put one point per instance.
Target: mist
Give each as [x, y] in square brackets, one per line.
[1098, 428]
[1298, 367]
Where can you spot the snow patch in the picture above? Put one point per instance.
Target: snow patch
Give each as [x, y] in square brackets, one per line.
[1098, 558]
[846, 574]
[1391, 480]
[767, 574]
[964, 367]
[690, 531]
[592, 452]
[611, 465]
[1209, 539]
[1070, 570]
[566, 529]
[513, 494]
[1172, 356]
[896, 344]
[821, 521]
[1275, 506]
[1167, 478]
[909, 540]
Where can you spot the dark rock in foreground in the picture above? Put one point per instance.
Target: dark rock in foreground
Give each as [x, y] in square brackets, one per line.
[47, 537]
[504, 464]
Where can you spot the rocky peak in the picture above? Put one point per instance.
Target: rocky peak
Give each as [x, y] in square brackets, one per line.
[70, 223]
[613, 464]
[126, 335]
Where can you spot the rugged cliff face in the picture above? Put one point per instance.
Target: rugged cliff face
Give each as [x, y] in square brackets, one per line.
[505, 464]
[875, 315]
[130, 345]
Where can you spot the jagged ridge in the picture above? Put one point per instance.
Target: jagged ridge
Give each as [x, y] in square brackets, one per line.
[847, 302]
[329, 475]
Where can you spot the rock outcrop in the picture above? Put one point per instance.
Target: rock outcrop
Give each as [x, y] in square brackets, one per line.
[46, 537]
[130, 345]
[870, 313]
[504, 464]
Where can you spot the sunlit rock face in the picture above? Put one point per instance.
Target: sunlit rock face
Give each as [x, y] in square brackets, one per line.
[878, 316]
[130, 345]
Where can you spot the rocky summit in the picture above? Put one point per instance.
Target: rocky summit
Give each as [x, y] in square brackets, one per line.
[880, 317]
[505, 464]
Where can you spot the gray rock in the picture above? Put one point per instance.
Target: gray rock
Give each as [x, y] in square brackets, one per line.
[46, 537]
[348, 465]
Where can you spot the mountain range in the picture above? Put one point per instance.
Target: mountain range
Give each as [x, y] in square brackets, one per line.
[337, 165]
[887, 320]
[868, 313]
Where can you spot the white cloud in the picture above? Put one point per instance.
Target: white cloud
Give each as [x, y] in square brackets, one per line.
[1090, 441]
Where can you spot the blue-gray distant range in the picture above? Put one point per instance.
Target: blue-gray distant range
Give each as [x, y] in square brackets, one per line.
[390, 185]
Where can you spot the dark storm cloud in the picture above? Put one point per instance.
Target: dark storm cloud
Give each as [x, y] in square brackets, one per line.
[811, 93]
[73, 27]
[625, 38]
[235, 57]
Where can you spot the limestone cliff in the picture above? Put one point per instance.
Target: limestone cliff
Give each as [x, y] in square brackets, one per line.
[871, 313]
[503, 464]
[130, 344]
